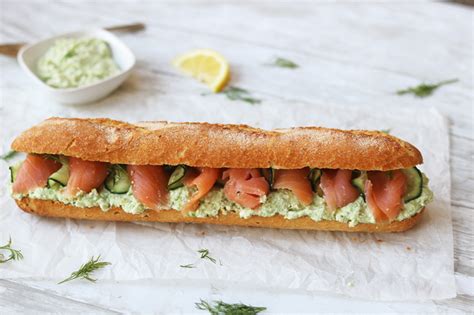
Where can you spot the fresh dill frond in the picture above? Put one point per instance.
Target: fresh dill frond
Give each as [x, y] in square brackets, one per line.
[238, 94]
[15, 254]
[284, 63]
[9, 155]
[188, 266]
[424, 89]
[222, 308]
[85, 270]
[205, 255]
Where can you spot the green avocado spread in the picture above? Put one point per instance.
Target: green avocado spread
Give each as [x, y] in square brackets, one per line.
[74, 62]
[279, 202]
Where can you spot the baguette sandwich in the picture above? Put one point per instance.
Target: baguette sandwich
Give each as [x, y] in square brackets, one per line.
[301, 178]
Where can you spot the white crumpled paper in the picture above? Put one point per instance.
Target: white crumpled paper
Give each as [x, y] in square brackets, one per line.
[414, 265]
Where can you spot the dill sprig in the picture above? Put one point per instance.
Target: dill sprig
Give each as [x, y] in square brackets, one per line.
[15, 254]
[188, 266]
[85, 270]
[238, 94]
[222, 308]
[284, 63]
[9, 155]
[205, 255]
[424, 89]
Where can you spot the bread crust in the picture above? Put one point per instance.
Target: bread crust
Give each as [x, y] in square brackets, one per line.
[50, 208]
[219, 146]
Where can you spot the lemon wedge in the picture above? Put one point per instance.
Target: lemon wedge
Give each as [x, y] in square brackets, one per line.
[207, 66]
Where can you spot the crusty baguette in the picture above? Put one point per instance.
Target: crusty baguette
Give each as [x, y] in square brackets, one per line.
[212, 145]
[50, 208]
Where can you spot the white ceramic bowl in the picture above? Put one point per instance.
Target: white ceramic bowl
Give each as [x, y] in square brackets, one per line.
[29, 55]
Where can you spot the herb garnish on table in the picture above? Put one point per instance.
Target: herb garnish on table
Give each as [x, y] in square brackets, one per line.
[219, 307]
[284, 63]
[424, 89]
[9, 155]
[234, 93]
[205, 255]
[15, 254]
[188, 266]
[85, 270]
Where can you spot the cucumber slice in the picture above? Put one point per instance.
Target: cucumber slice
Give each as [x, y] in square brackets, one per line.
[60, 177]
[176, 178]
[414, 183]
[269, 174]
[314, 176]
[14, 171]
[359, 182]
[117, 182]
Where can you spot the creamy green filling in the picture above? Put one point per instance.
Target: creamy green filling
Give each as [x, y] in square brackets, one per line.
[73, 62]
[280, 202]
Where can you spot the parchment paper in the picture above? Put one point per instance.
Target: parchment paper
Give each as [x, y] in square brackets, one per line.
[414, 265]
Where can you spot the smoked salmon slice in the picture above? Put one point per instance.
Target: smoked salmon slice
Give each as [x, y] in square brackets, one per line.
[149, 185]
[379, 215]
[337, 188]
[85, 175]
[384, 193]
[191, 174]
[297, 181]
[245, 186]
[34, 173]
[204, 181]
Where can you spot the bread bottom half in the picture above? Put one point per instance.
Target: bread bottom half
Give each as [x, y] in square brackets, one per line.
[50, 208]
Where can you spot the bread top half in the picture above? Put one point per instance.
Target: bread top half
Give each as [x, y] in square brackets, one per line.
[217, 145]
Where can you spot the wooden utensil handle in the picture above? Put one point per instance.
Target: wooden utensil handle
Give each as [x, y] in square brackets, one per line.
[126, 28]
[13, 49]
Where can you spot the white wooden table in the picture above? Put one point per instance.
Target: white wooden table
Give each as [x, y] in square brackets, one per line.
[350, 54]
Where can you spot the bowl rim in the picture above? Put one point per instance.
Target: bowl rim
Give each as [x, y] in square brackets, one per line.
[77, 33]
